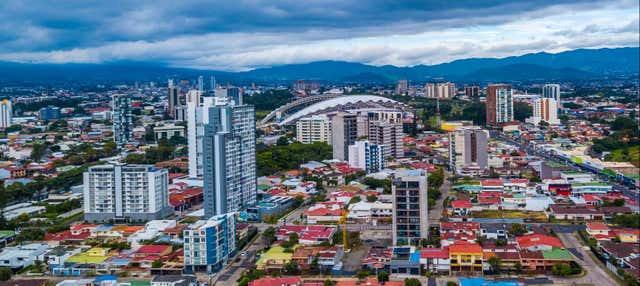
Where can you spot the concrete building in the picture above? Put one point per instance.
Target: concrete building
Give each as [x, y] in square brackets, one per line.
[552, 91]
[367, 156]
[344, 132]
[388, 134]
[209, 244]
[173, 97]
[122, 119]
[6, 113]
[544, 109]
[499, 104]
[313, 129]
[21, 256]
[168, 131]
[441, 90]
[472, 91]
[121, 192]
[49, 113]
[228, 156]
[402, 86]
[468, 147]
[410, 208]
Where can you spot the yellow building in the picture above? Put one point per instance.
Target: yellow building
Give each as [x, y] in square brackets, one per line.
[465, 257]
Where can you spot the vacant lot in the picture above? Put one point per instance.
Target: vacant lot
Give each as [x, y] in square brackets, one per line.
[526, 215]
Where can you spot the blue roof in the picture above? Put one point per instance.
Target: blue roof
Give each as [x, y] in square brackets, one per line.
[106, 278]
[484, 282]
[415, 257]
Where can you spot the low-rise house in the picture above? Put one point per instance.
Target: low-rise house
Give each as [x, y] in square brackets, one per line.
[493, 230]
[378, 258]
[323, 214]
[174, 280]
[451, 232]
[599, 230]
[307, 234]
[621, 252]
[57, 256]
[535, 242]
[274, 259]
[21, 256]
[277, 281]
[575, 213]
[460, 207]
[436, 260]
[465, 257]
[628, 235]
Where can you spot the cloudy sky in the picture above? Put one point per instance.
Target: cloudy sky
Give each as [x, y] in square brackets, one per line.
[245, 34]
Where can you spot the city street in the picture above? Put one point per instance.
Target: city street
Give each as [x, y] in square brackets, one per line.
[596, 274]
[435, 214]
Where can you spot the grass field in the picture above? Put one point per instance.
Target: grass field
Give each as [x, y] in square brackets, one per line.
[631, 154]
[527, 215]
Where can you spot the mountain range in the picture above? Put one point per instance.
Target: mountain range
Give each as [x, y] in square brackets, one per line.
[581, 64]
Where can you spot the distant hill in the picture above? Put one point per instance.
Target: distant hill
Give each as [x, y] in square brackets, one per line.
[575, 64]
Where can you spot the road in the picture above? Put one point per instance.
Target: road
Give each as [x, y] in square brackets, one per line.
[596, 274]
[435, 214]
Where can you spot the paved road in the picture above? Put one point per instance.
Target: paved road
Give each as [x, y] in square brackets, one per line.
[435, 214]
[596, 274]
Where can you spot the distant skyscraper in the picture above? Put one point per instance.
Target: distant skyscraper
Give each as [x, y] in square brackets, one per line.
[122, 119]
[344, 132]
[201, 84]
[228, 156]
[367, 156]
[126, 192]
[468, 147]
[173, 97]
[499, 104]
[402, 87]
[552, 91]
[6, 113]
[232, 93]
[313, 129]
[472, 91]
[430, 90]
[410, 207]
[545, 109]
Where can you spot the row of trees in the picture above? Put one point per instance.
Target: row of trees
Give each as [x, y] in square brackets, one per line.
[289, 156]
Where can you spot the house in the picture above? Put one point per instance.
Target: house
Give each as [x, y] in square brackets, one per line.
[465, 257]
[575, 213]
[535, 242]
[56, 257]
[460, 207]
[493, 230]
[451, 232]
[628, 235]
[21, 256]
[598, 230]
[378, 258]
[543, 261]
[6, 237]
[621, 252]
[492, 185]
[274, 259]
[307, 234]
[174, 280]
[436, 260]
[611, 211]
[277, 281]
[328, 258]
[322, 214]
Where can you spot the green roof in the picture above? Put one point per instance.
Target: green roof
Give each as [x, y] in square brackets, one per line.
[557, 253]
[554, 164]
[574, 173]
[5, 233]
[263, 187]
[140, 283]
[594, 184]
[467, 187]
[634, 176]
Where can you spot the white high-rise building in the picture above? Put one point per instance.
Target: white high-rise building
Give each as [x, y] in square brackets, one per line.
[313, 129]
[367, 156]
[210, 243]
[122, 119]
[6, 113]
[228, 156]
[552, 90]
[196, 112]
[468, 147]
[410, 207]
[121, 192]
[544, 109]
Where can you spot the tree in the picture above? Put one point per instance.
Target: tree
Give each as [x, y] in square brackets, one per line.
[451, 283]
[518, 267]
[38, 266]
[561, 269]
[383, 276]
[517, 229]
[412, 282]
[290, 268]
[156, 264]
[328, 282]
[522, 111]
[282, 141]
[362, 274]
[495, 262]
[293, 238]
[269, 235]
[37, 151]
[355, 200]
[5, 274]
[244, 281]
[109, 148]
[371, 198]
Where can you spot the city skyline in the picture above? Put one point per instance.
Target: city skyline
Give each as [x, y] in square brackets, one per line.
[277, 33]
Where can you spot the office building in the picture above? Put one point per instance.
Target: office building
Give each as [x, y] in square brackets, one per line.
[552, 91]
[313, 129]
[410, 208]
[499, 104]
[209, 244]
[122, 119]
[544, 109]
[121, 192]
[389, 134]
[301, 85]
[49, 113]
[442, 90]
[344, 132]
[468, 147]
[6, 113]
[430, 90]
[173, 97]
[366, 156]
[233, 94]
[228, 156]
[402, 86]
[472, 91]
[168, 131]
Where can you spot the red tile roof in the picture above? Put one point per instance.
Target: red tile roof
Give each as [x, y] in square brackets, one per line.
[538, 239]
[460, 204]
[152, 249]
[465, 247]
[491, 183]
[276, 281]
[432, 253]
[597, 225]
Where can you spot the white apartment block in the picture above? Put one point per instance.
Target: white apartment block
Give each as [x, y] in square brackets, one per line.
[313, 129]
[209, 244]
[121, 192]
[545, 109]
[367, 156]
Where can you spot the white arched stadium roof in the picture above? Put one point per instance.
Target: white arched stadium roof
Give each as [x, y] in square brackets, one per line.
[341, 100]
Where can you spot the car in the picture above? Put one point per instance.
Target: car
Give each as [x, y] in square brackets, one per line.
[244, 253]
